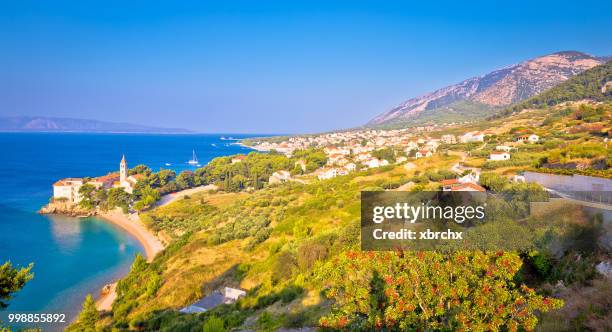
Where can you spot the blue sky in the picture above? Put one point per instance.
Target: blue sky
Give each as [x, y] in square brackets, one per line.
[267, 67]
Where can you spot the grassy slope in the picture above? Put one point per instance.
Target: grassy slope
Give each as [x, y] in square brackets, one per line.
[301, 217]
[319, 212]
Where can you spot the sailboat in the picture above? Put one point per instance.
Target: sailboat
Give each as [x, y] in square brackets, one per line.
[194, 159]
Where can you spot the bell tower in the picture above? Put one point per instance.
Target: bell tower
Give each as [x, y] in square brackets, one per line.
[122, 170]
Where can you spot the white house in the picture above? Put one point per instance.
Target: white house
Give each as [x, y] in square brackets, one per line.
[448, 139]
[423, 153]
[375, 162]
[533, 138]
[327, 173]
[412, 145]
[350, 167]
[475, 136]
[279, 176]
[238, 158]
[499, 155]
[473, 176]
[227, 296]
[68, 189]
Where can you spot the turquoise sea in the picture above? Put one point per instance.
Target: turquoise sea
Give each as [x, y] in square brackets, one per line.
[73, 257]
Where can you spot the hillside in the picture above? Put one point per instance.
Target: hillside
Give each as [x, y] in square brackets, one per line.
[479, 96]
[594, 84]
[51, 124]
[292, 245]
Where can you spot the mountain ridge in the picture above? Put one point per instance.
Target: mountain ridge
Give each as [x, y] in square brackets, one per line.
[475, 96]
[59, 124]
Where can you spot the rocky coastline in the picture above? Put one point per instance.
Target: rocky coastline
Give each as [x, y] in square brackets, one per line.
[66, 208]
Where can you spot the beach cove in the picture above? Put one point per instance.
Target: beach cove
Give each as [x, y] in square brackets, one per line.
[74, 257]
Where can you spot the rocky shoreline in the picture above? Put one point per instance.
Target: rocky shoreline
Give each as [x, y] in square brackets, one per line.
[68, 209]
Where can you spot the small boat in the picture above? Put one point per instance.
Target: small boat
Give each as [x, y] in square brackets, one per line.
[168, 164]
[213, 144]
[194, 159]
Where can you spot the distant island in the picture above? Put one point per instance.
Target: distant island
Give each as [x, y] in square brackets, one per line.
[51, 124]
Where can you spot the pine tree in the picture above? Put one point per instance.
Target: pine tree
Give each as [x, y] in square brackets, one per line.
[89, 315]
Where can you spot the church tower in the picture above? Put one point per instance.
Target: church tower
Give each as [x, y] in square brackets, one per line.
[122, 171]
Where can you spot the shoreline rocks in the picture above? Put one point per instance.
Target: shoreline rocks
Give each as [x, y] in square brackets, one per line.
[67, 209]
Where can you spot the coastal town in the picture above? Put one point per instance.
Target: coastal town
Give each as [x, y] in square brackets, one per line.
[350, 151]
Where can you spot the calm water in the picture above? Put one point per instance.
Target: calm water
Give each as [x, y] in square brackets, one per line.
[73, 257]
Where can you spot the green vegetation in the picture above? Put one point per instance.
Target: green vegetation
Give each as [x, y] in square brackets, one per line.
[12, 280]
[295, 246]
[251, 172]
[429, 291]
[286, 244]
[88, 317]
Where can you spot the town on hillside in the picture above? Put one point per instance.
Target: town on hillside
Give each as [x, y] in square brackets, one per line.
[349, 151]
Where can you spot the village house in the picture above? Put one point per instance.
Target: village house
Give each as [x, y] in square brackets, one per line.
[533, 138]
[473, 176]
[448, 184]
[68, 189]
[226, 296]
[499, 155]
[474, 136]
[363, 157]
[468, 186]
[350, 167]
[327, 173]
[106, 181]
[456, 185]
[412, 145]
[279, 177]
[375, 162]
[238, 158]
[448, 139]
[423, 153]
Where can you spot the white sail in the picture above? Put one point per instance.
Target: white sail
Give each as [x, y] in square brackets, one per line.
[194, 159]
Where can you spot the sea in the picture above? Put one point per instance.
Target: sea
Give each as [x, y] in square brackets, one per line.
[73, 257]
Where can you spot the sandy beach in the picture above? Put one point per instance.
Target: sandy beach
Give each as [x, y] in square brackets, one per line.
[131, 224]
[151, 244]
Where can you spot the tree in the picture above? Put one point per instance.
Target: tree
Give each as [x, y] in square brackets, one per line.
[148, 197]
[87, 192]
[86, 322]
[185, 180]
[214, 324]
[399, 291]
[89, 315]
[165, 176]
[387, 153]
[117, 197]
[12, 280]
[140, 169]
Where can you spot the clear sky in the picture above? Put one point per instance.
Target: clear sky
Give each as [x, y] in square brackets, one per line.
[267, 67]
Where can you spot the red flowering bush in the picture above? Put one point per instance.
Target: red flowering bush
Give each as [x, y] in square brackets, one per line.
[398, 291]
